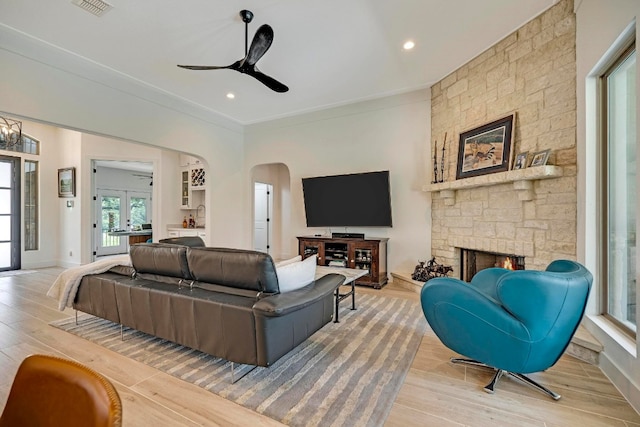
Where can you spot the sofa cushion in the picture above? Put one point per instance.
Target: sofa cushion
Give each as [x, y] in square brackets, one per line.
[297, 274]
[160, 259]
[236, 268]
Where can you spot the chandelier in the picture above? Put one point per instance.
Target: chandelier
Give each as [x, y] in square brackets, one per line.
[10, 132]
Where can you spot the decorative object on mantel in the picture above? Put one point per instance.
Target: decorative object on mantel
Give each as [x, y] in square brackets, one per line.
[540, 158]
[10, 132]
[435, 163]
[521, 161]
[424, 273]
[444, 143]
[486, 149]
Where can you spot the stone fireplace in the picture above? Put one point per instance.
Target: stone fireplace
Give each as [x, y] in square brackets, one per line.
[528, 214]
[531, 212]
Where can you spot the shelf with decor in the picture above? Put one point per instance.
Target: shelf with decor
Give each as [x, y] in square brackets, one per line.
[192, 186]
[364, 254]
[522, 180]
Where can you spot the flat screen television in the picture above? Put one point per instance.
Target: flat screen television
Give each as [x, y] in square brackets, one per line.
[353, 200]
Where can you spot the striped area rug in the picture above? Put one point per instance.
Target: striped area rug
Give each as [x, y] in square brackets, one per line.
[346, 374]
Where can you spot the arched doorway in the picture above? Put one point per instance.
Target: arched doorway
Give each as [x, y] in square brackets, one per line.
[275, 179]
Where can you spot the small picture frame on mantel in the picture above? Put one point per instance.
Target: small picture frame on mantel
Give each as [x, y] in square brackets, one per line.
[521, 160]
[540, 158]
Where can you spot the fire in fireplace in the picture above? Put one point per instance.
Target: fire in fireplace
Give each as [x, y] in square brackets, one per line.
[472, 261]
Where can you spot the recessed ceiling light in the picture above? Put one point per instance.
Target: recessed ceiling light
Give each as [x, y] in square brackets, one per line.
[231, 95]
[408, 45]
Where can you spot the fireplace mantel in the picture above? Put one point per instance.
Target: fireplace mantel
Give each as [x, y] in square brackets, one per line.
[522, 180]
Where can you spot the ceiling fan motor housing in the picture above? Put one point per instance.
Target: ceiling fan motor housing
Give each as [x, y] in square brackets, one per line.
[246, 16]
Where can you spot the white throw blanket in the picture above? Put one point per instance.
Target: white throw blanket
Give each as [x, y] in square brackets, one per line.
[66, 285]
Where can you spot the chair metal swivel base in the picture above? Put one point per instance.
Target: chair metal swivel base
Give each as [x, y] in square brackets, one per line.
[490, 388]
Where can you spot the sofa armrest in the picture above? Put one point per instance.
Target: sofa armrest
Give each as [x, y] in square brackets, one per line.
[281, 304]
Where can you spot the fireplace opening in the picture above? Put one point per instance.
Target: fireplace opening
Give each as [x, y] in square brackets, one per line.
[472, 261]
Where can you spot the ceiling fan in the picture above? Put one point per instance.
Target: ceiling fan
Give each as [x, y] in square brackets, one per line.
[247, 65]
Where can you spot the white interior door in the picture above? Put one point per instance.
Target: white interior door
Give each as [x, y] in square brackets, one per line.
[263, 194]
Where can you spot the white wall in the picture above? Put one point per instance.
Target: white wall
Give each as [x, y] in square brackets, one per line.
[384, 134]
[599, 25]
[47, 253]
[69, 148]
[46, 85]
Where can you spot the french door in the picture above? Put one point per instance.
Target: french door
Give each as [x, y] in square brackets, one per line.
[9, 213]
[119, 210]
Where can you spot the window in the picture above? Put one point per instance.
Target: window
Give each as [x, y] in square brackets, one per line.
[138, 209]
[30, 205]
[27, 145]
[619, 192]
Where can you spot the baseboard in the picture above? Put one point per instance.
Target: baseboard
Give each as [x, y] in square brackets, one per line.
[628, 389]
[36, 265]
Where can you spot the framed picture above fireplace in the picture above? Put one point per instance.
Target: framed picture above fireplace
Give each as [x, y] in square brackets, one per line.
[486, 149]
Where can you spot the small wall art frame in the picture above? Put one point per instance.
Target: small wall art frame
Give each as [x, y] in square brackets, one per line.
[540, 158]
[521, 160]
[486, 149]
[67, 182]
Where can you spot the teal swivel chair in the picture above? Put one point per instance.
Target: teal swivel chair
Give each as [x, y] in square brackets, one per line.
[516, 322]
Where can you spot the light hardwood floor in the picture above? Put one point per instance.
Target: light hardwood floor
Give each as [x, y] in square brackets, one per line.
[435, 392]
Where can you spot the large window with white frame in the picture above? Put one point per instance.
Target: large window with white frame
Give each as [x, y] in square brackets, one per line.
[619, 196]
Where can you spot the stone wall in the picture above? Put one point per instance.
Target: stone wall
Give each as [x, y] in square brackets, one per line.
[531, 72]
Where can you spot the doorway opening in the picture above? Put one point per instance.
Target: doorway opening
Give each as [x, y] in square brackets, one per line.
[278, 178]
[123, 193]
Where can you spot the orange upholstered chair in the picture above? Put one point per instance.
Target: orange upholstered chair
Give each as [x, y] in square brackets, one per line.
[51, 391]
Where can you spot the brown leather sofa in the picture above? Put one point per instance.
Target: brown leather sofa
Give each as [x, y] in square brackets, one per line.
[224, 302]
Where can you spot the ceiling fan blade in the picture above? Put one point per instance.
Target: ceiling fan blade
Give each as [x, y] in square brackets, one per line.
[259, 45]
[270, 82]
[204, 67]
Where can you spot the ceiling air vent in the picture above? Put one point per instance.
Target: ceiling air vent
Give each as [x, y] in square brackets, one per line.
[97, 7]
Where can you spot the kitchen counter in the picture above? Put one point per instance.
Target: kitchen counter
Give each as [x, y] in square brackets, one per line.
[130, 233]
[134, 236]
[176, 230]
